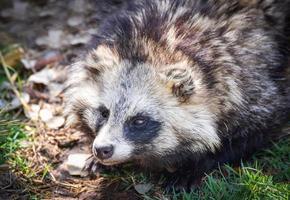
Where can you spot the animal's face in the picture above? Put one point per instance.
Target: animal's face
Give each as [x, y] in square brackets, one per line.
[134, 113]
[128, 118]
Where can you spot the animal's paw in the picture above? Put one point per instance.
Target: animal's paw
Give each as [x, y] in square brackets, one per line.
[93, 167]
[179, 183]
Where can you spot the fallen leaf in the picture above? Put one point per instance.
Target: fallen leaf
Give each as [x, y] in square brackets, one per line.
[47, 13]
[79, 39]
[75, 21]
[5, 85]
[16, 103]
[68, 142]
[13, 56]
[45, 114]
[76, 163]
[2, 104]
[55, 122]
[55, 89]
[44, 76]
[92, 31]
[143, 188]
[79, 6]
[55, 39]
[28, 64]
[48, 58]
[33, 112]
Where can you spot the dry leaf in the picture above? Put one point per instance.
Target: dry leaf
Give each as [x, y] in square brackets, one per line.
[48, 13]
[143, 188]
[33, 112]
[55, 39]
[28, 64]
[14, 56]
[44, 76]
[48, 58]
[79, 39]
[79, 6]
[45, 114]
[55, 122]
[75, 21]
[55, 89]
[2, 104]
[76, 163]
[15, 103]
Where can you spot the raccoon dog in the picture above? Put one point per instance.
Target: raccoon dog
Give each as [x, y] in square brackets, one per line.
[183, 85]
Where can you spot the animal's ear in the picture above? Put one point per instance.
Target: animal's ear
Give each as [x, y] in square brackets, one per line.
[179, 79]
[101, 58]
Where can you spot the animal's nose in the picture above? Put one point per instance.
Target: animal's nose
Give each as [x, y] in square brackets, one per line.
[104, 152]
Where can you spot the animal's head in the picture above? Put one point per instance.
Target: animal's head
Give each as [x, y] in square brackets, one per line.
[140, 110]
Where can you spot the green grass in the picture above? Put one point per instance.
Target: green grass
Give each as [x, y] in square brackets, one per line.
[11, 134]
[264, 177]
[11, 130]
[247, 183]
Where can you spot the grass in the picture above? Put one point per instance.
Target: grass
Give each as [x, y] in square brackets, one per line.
[265, 177]
[11, 134]
[246, 183]
[11, 130]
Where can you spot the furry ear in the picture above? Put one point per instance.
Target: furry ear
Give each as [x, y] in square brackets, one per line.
[179, 80]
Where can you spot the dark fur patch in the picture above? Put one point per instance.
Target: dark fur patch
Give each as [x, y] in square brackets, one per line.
[143, 135]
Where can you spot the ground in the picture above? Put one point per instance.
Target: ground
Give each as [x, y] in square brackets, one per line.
[38, 39]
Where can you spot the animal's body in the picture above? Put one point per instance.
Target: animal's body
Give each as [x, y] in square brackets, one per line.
[184, 85]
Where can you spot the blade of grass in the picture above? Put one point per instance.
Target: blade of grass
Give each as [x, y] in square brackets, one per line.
[10, 79]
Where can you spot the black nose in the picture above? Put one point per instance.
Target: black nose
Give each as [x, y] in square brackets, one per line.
[104, 152]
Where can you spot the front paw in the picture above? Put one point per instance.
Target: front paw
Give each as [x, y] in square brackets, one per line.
[181, 183]
[93, 167]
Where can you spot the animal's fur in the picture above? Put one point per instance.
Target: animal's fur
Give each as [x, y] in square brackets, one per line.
[210, 76]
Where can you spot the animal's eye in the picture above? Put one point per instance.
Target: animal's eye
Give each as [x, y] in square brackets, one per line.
[102, 114]
[105, 113]
[139, 122]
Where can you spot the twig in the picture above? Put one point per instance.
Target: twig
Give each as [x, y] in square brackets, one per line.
[14, 88]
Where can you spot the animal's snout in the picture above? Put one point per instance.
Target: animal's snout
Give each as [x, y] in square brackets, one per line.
[104, 152]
